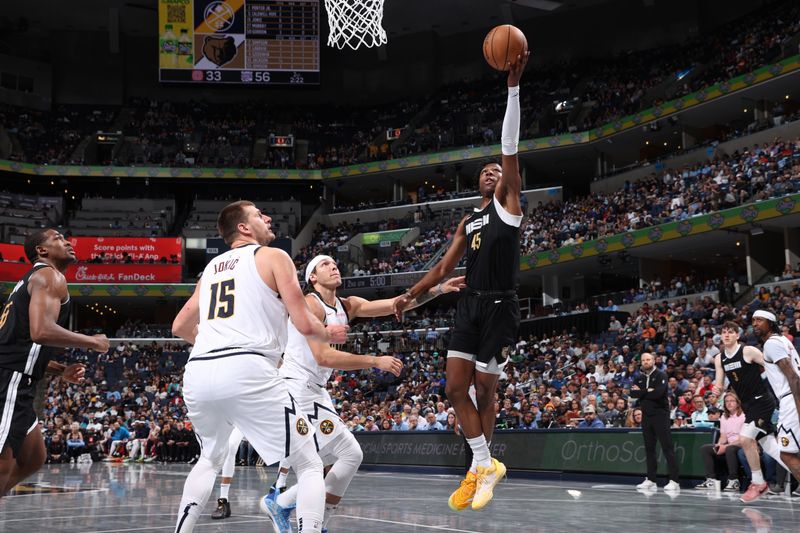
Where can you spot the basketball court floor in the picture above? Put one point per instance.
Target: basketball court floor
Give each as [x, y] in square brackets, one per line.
[105, 498]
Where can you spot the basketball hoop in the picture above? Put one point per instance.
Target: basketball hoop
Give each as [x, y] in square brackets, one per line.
[355, 23]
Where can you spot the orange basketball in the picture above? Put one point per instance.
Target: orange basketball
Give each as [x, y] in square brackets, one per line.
[502, 45]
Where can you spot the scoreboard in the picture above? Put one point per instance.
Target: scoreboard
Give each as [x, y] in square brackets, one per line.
[251, 42]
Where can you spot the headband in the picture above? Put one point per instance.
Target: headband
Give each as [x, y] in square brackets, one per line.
[314, 262]
[765, 314]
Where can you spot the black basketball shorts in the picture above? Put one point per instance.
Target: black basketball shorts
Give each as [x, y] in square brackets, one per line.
[17, 416]
[758, 416]
[486, 325]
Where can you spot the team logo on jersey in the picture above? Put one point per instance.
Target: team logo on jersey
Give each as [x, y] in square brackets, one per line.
[302, 426]
[784, 442]
[326, 427]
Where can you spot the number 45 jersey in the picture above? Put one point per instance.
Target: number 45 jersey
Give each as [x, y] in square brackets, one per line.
[492, 248]
[239, 313]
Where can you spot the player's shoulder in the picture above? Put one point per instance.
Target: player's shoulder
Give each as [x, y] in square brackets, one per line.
[774, 342]
[269, 251]
[46, 277]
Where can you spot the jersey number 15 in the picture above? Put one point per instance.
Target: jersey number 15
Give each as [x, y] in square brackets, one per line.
[221, 300]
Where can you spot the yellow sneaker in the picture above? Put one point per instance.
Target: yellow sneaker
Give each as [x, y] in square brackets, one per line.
[488, 477]
[462, 497]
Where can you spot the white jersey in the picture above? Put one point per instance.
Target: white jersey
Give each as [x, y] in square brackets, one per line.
[775, 349]
[298, 361]
[239, 313]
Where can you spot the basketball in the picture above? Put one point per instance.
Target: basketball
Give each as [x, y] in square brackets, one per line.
[502, 45]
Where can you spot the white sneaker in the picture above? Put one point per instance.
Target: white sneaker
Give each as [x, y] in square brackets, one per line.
[647, 485]
[672, 486]
[732, 486]
[707, 484]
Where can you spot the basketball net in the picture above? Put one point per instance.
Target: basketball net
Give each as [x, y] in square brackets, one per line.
[355, 23]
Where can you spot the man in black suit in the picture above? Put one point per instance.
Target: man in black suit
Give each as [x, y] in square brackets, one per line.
[651, 391]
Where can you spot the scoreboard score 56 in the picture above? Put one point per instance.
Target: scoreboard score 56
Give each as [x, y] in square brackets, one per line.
[239, 41]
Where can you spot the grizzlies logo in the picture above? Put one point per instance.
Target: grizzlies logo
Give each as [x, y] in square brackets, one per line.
[302, 426]
[326, 427]
[219, 50]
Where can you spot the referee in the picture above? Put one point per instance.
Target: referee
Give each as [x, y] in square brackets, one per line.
[650, 388]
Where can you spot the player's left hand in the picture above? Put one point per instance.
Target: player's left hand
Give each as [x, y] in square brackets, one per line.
[517, 67]
[454, 284]
[74, 373]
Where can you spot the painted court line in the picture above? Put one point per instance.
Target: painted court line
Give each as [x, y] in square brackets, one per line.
[438, 528]
[172, 526]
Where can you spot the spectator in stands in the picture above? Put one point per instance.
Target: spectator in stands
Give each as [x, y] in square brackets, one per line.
[430, 423]
[634, 418]
[76, 444]
[700, 413]
[590, 420]
[120, 436]
[56, 449]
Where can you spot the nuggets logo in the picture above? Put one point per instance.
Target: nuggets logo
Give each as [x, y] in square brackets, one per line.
[326, 427]
[784, 442]
[302, 426]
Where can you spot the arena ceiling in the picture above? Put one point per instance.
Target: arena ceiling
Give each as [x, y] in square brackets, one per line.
[401, 17]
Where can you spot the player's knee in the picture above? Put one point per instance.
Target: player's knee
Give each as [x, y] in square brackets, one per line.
[484, 397]
[455, 390]
[355, 455]
[306, 460]
[214, 463]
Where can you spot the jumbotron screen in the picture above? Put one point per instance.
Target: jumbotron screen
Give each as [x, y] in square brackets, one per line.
[251, 42]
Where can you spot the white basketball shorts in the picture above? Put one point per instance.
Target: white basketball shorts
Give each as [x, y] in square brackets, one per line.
[245, 391]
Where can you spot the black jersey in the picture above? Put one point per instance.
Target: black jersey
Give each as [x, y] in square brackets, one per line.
[492, 248]
[745, 378]
[17, 351]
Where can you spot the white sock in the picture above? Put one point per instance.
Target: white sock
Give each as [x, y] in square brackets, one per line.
[288, 498]
[474, 466]
[281, 480]
[330, 510]
[758, 479]
[223, 490]
[480, 451]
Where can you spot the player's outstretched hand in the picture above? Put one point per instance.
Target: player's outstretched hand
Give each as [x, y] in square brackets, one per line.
[101, 343]
[716, 390]
[517, 67]
[74, 373]
[454, 284]
[387, 363]
[337, 334]
[400, 304]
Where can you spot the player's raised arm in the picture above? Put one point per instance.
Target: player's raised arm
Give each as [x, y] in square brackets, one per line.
[510, 184]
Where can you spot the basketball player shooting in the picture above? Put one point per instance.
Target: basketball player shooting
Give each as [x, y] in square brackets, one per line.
[32, 327]
[487, 316]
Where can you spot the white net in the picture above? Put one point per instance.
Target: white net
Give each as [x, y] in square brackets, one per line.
[355, 23]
